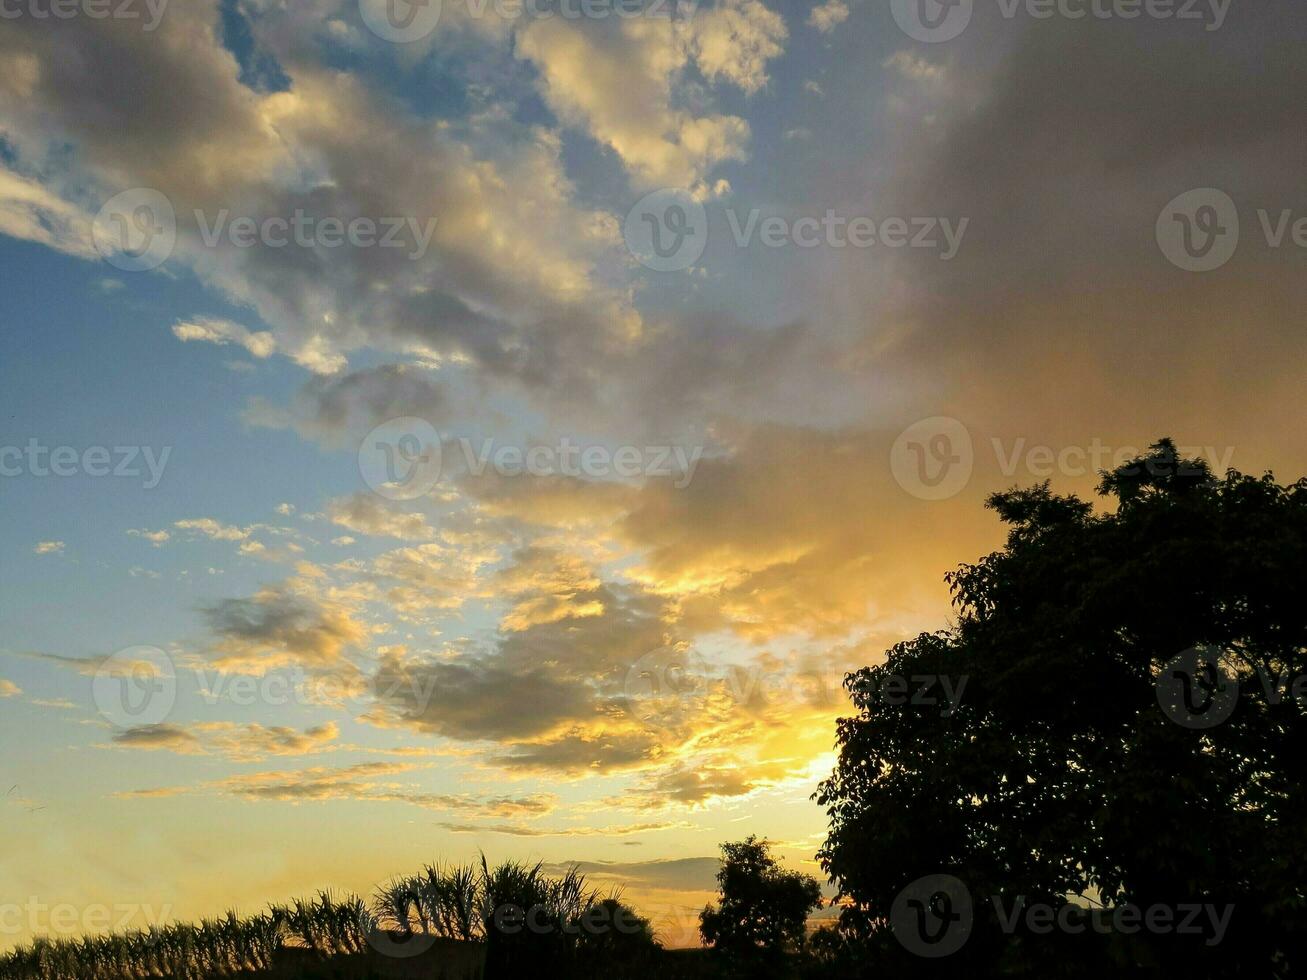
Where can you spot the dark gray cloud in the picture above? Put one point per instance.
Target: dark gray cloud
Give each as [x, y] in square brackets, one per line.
[172, 737]
[534, 687]
[340, 408]
[280, 626]
[1062, 141]
[247, 742]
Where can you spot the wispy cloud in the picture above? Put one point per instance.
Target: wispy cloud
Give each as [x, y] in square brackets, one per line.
[367, 781]
[241, 743]
[211, 330]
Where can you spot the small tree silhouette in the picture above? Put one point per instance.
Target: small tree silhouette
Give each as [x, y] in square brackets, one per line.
[763, 911]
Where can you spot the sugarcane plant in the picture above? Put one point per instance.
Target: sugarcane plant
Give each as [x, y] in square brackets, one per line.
[462, 903]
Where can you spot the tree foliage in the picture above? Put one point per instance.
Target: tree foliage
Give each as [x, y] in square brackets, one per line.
[1059, 778]
[763, 910]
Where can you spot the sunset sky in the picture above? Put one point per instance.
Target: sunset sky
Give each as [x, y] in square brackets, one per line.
[911, 270]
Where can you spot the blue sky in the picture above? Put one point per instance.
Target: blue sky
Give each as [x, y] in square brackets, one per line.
[811, 430]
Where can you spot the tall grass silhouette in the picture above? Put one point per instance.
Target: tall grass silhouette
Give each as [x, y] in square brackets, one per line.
[520, 916]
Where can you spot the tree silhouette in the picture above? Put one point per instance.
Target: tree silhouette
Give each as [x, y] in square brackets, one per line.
[763, 910]
[1074, 771]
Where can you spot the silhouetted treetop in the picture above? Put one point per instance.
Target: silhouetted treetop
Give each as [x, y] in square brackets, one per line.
[763, 910]
[1062, 770]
